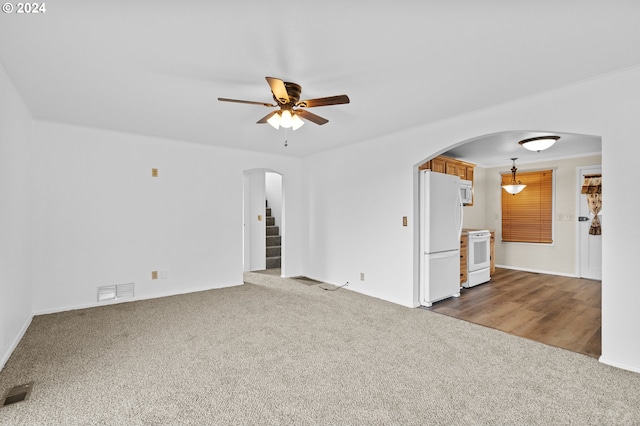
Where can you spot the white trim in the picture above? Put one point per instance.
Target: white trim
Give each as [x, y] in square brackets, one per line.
[117, 301]
[17, 340]
[606, 361]
[537, 271]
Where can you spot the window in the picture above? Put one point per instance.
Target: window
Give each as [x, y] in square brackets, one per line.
[528, 216]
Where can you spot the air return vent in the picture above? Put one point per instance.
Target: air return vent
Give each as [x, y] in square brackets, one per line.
[115, 292]
[17, 394]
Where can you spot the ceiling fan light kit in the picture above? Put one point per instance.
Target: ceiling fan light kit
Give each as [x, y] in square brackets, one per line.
[292, 109]
[285, 120]
[539, 143]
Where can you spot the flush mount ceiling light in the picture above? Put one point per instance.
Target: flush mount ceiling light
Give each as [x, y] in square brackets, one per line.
[515, 186]
[540, 143]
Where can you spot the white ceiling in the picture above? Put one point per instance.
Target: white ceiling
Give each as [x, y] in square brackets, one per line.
[157, 67]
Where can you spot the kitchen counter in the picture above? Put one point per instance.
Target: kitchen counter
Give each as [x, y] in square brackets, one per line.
[465, 231]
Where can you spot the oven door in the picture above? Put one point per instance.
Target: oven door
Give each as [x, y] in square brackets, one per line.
[479, 251]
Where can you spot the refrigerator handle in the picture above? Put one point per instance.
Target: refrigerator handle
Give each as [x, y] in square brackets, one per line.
[461, 214]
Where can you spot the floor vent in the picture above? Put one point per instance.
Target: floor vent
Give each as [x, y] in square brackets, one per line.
[115, 292]
[17, 394]
[306, 280]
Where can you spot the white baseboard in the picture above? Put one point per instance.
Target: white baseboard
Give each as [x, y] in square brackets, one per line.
[619, 365]
[537, 271]
[14, 344]
[126, 300]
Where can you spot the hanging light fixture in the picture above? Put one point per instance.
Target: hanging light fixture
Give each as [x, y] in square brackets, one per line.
[539, 143]
[514, 187]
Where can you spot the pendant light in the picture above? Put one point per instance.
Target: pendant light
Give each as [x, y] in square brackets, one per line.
[540, 143]
[514, 187]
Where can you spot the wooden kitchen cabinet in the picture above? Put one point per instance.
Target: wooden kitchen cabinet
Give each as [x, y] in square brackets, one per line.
[437, 165]
[469, 173]
[450, 166]
[492, 253]
[464, 240]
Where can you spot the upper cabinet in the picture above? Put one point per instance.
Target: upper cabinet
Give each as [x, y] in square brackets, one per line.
[450, 166]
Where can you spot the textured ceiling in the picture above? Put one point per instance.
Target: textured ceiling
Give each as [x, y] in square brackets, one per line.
[158, 67]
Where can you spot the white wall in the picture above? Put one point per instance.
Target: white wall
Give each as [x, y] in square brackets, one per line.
[15, 279]
[355, 210]
[560, 257]
[99, 217]
[255, 222]
[475, 216]
[273, 191]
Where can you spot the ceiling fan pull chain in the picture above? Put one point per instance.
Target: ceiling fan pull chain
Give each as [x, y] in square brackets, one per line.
[286, 134]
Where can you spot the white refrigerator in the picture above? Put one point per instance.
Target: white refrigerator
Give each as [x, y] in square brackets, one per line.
[440, 230]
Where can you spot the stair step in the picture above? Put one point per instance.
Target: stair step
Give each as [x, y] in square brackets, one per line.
[268, 212]
[271, 221]
[273, 230]
[274, 240]
[273, 262]
[274, 251]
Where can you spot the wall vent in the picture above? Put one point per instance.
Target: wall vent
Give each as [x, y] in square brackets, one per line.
[17, 394]
[115, 292]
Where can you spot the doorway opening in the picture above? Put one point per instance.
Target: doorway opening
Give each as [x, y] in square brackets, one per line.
[485, 213]
[263, 220]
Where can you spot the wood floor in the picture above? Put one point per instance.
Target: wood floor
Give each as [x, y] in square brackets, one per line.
[556, 310]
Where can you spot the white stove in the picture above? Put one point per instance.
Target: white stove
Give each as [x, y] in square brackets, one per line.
[479, 258]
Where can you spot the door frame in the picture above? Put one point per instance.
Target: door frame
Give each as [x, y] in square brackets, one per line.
[254, 219]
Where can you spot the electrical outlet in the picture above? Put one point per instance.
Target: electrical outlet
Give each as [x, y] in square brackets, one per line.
[163, 275]
[154, 275]
[259, 218]
[361, 276]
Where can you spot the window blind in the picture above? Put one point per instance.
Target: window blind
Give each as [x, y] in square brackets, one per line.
[527, 216]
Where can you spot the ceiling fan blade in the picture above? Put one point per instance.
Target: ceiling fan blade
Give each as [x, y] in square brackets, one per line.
[246, 102]
[266, 117]
[330, 100]
[278, 89]
[311, 117]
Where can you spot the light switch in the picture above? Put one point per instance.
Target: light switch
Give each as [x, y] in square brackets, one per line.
[154, 275]
[259, 218]
[154, 172]
[404, 221]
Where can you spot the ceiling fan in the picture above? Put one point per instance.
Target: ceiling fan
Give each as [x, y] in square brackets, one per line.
[292, 109]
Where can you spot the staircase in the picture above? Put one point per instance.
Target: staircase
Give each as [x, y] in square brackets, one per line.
[274, 250]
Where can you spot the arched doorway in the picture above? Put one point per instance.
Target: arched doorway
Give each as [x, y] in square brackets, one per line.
[520, 261]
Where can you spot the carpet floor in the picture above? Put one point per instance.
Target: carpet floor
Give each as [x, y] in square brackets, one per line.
[276, 351]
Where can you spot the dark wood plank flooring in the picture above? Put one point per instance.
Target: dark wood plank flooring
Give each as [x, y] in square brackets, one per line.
[552, 309]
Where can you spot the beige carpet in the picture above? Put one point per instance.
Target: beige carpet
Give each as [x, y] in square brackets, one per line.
[276, 351]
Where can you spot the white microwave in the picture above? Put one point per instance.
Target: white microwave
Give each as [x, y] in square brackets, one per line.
[466, 191]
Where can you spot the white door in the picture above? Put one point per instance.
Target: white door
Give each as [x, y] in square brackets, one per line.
[589, 246]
